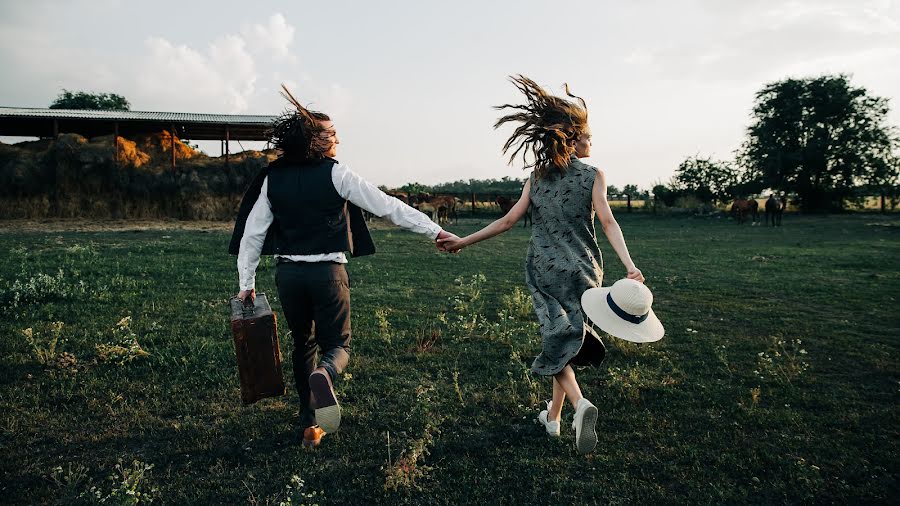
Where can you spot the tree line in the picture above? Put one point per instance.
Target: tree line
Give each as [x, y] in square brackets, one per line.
[821, 140]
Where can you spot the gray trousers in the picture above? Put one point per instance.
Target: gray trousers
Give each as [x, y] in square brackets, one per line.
[315, 297]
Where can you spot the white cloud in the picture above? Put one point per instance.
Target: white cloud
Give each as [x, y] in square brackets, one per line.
[181, 77]
[275, 36]
[227, 76]
[868, 18]
[746, 42]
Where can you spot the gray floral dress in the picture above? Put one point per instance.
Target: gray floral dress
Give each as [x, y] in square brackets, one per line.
[563, 261]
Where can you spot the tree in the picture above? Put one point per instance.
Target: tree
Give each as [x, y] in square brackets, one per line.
[94, 101]
[819, 137]
[505, 185]
[414, 188]
[612, 190]
[665, 194]
[707, 179]
[883, 178]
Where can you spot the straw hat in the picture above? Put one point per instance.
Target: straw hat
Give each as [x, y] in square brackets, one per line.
[623, 310]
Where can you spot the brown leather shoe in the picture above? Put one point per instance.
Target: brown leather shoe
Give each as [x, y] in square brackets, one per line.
[312, 436]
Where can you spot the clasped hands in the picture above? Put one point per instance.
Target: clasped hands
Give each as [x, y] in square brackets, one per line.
[448, 242]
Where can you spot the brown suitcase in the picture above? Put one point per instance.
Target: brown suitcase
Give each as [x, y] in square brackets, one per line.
[255, 335]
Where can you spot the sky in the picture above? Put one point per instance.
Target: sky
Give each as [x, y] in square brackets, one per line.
[411, 84]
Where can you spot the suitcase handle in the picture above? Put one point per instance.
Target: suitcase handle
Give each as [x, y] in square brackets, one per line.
[247, 307]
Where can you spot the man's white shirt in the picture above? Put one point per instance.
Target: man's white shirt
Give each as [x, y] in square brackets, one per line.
[350, 186]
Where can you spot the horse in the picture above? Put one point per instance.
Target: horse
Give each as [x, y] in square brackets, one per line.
[783, 208]
[774, 209]
[740, 208]
[401, 196]
[506, 204]
[417, 199]
[441, 208]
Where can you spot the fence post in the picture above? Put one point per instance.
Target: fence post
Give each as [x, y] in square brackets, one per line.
[473, 204]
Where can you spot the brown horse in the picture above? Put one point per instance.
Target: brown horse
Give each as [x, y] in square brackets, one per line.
[401, 196]
[441, 208]
[774, 210]
[743, 207]
[506, 204]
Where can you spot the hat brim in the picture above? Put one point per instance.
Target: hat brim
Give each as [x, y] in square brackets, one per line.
[593, 302]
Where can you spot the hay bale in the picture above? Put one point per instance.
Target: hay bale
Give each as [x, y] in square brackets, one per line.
[159, 146]
[23, 171]
[68, 142]
[73, 177]
[129, 153]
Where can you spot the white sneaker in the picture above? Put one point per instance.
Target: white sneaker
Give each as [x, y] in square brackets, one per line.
[585, 424]
[328, 411]
[552, 427]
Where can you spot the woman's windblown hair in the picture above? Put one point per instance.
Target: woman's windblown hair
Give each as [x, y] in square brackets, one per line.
[296, 132]
[548, 125]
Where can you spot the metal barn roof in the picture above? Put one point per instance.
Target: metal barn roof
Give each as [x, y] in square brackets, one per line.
[36, 122]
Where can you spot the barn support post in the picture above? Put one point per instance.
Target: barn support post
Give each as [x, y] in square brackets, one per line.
[227, 147]
[55, 128]
[172, 131]
[116, 143]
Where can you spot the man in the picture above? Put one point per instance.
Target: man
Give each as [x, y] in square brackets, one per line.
[305, 209]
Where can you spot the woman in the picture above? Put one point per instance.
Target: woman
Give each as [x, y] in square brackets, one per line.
[305, 209]
[563, 259]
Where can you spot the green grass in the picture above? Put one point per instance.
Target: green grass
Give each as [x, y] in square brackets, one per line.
[785, 388]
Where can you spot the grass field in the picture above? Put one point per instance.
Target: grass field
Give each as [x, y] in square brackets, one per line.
[778, 380]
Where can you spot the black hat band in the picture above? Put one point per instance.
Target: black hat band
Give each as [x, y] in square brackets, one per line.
[621, 313]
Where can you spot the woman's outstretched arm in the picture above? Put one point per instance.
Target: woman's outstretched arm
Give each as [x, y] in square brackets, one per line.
[611, 227]
[497, 227]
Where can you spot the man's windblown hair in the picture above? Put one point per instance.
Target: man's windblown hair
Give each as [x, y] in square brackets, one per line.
[296, 131]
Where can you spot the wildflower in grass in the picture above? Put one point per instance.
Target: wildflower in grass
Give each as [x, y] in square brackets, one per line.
[782, 361]
[296, 494]
[123, 347]
[45, 342]
[128, 485]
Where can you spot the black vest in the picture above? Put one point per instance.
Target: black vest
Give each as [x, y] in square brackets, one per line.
[310, 217]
